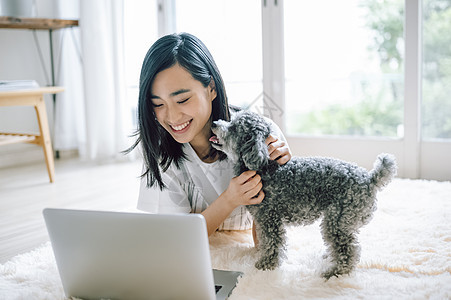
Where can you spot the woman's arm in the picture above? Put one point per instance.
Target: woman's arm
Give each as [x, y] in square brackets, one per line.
[254, 234]
[245, 189]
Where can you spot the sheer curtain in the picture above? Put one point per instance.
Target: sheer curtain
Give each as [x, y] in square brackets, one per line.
[96, 118]
[104, 81]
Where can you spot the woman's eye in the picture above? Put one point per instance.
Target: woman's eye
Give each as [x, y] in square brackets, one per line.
[157, 105]
[183, 101]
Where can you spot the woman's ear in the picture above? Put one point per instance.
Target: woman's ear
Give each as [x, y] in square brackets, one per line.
[212, 89]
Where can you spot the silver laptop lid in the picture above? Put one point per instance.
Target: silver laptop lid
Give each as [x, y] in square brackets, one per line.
[131, 255]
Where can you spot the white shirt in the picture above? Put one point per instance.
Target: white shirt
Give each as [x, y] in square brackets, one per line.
[193, 187]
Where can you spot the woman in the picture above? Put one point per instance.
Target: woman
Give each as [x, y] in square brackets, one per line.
[181, 94]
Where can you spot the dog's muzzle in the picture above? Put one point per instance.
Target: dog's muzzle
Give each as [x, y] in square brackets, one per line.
[214, 139]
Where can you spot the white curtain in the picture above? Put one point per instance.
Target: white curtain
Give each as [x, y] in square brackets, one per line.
[70, 122]
[102, 36]
[96, 117]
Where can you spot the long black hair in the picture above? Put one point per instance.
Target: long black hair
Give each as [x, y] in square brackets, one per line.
[158, 146]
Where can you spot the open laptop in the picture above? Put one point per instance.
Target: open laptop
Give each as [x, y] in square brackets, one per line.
[118, 255]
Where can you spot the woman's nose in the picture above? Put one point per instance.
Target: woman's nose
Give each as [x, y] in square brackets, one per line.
[173, 114]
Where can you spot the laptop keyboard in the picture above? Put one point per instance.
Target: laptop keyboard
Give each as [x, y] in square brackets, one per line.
[218, 287]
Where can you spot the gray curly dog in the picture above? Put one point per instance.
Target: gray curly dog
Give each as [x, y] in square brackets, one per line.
[302, 191]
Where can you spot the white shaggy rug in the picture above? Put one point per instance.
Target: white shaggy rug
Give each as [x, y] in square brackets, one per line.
[406, 254]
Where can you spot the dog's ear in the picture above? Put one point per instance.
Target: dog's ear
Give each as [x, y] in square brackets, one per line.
[255, 152]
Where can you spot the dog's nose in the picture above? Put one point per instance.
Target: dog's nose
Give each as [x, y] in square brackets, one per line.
[213, 125]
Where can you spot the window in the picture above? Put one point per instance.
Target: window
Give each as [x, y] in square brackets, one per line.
[344, 67]
[140, 32]
[231, 30]
[436, 77]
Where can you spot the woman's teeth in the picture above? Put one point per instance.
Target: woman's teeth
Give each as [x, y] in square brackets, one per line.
[180, 127]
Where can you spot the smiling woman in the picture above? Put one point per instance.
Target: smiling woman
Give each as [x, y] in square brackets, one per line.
[174, 64]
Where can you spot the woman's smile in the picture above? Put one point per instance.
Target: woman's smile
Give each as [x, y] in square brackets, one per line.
[182, 127]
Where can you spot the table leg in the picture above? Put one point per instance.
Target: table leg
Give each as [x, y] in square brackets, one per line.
[45, 141]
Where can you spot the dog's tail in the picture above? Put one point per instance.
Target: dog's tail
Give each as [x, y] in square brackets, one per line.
[384, 170]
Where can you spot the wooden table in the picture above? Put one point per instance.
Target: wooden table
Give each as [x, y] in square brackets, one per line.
[36, 23]
[32, 97]
[41, 24]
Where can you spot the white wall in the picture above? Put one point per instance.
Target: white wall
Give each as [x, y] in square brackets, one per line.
[19, 59]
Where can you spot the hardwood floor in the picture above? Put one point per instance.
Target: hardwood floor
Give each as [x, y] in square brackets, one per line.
[25, 191]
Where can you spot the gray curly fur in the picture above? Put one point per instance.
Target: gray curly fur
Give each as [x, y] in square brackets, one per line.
[302, 191]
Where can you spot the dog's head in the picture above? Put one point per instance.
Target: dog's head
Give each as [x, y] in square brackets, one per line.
[243, 139]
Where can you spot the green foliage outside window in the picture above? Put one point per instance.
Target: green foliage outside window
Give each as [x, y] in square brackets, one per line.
[436, 105]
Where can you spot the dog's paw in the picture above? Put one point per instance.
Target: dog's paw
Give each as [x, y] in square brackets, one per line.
[330, 273]
[335, 272]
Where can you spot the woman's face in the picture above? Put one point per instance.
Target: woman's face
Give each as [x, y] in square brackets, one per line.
[182, 104]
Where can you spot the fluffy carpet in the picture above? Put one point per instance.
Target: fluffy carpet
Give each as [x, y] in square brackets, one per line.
[406, 254]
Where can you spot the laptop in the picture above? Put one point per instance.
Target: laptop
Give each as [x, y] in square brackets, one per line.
[122, 255]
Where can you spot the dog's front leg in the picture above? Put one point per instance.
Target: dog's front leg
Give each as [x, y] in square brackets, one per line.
[271, 235]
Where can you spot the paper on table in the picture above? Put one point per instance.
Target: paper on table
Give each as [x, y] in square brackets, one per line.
[7, 85]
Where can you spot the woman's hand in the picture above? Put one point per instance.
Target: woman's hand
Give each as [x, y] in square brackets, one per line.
[278, 150]
[245, 189]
